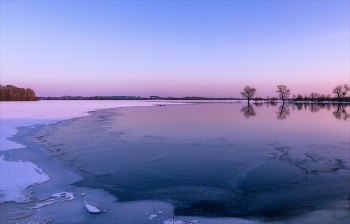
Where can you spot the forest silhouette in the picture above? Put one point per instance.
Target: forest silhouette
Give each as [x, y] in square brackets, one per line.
[13, 93]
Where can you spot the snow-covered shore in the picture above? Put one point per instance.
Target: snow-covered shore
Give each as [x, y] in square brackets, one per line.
[16, 114]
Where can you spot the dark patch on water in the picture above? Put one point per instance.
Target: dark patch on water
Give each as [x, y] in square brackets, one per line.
[217, 208]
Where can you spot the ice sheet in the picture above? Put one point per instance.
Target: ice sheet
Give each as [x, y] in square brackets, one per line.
[16, 177]
[28, 113]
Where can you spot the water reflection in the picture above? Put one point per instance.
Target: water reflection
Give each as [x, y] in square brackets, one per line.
[283, 111]
[273, 103]
[258, 104]
[248, 111]
[341, 113]
[313, 107]
[340, 110]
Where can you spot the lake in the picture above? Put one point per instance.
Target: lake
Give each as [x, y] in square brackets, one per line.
[260, 161]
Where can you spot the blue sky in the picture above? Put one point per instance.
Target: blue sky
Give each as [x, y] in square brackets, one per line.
[174, 48]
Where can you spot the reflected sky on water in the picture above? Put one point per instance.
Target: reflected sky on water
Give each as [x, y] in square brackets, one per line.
[292, 123]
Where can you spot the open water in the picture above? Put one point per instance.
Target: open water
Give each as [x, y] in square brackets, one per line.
[269, 161]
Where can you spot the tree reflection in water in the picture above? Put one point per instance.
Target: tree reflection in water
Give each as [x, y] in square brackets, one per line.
[257, 104]
[283, 111]
[273, 104]
[340, 110]
[340, 113]
[248, 111]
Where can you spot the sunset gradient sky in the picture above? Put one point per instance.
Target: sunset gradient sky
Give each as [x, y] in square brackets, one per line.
[174, 48]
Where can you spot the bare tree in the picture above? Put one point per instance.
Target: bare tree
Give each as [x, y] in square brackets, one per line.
[283, 92]
[248, 93]
[341, 91]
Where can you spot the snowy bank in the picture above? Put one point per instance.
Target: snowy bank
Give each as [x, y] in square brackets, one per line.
[27, 113]
[16, 177]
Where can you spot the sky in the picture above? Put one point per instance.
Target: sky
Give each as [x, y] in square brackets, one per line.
[174, 48]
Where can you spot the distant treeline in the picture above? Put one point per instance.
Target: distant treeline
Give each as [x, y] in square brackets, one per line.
[319, 98]
[91, 98]
[299, 98]
[132, 98]
[314, 97]
[13, 93]
[340, 91]
[199, 98]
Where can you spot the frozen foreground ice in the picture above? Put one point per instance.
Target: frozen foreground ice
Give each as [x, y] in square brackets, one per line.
[49, 192]
[21, 114]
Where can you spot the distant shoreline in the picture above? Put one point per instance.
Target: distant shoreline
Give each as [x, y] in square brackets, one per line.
[194, 98]
[238, 100]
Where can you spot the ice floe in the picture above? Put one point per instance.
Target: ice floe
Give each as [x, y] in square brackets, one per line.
[16, 176]
[91, 208]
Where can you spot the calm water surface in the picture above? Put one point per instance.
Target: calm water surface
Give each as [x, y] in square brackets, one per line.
[213, 159]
